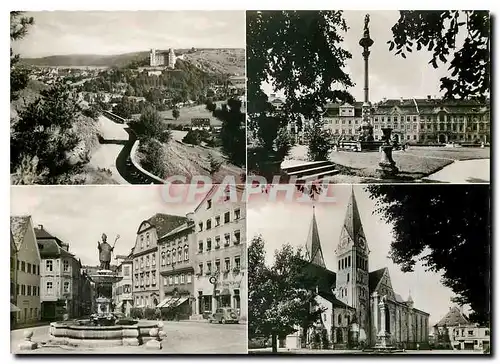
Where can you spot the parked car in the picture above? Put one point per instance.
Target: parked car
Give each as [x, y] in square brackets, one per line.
[224, 315]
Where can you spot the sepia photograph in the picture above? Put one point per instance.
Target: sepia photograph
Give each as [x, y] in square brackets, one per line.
[379, 270]
[137, 274]
[369, 97]
[127, 97]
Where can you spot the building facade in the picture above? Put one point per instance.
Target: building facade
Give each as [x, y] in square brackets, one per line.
[161, 58]
[123, 299]
[60, 278]
[146, 287]
[27, 262]
[177, 253]
[358, 295]
[429, 120]
[220, 262]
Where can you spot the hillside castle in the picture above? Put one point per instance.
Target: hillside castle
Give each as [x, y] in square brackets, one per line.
[159, 58]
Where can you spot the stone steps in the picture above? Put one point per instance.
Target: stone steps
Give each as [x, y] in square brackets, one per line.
[312, 171]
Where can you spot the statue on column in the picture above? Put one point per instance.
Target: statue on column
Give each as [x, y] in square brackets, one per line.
[366, 31]
[105, 251]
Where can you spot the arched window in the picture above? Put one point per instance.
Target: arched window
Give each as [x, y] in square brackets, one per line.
[348, 319]
[340, 319]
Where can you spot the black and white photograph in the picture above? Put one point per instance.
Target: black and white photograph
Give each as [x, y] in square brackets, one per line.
[127, 97]
[136, 274]
[383, 269]
[369, 96]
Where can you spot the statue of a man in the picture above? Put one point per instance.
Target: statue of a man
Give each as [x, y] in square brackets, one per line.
[104, 252]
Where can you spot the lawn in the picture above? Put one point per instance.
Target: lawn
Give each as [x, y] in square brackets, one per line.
[414, 163]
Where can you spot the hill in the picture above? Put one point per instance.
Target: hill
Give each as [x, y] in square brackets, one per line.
[210, 60]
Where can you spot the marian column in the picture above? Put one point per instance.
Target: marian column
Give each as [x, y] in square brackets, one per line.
[366, 42]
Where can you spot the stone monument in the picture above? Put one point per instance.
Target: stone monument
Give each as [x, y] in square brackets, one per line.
[366, 42]
[387, 166]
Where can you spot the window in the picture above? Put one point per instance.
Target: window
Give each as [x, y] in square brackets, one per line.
[487, 333]
[168, 257]
[136, 264]
[153, 276]
[29, 268]
[17, 289]
[48, 265]
[136, 280]
[49, 288]
[227, 217]
[339, 265]
[200, 269]
[209, 224]
[471, 333]
[209, 268]
[66, 287]
[347, 277]
[23, 266]
[227, 265]
[227, 239]
[38, 270]
[200, 226]
[349, 261]
[217, 242]
[147, 279]
[237, 263]
[237, 214]
[179, 254]
[209, 204]
[126, 271]
[200, 246]
[173, 256]
[182, 278]
[147, 239]
[217, 221]
[186, 252]
[209, 244]
[165, 281]
[188, 278]
[29, 291]
[176, 280]
[153, 260]
[142, 241]
[142, 262]
[65, 265]
[147, 260]
[23, 290]
[163, 259]
[340, 320]
[237, 237]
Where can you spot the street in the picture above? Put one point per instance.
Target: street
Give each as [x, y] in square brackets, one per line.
[183, 337]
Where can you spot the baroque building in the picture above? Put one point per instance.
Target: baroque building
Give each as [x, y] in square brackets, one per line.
[354, 294]
[414, 121]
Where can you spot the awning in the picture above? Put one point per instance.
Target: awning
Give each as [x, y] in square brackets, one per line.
[164, 302]
[14, 308]
[120, 304]
[180, 301]
[225, 292]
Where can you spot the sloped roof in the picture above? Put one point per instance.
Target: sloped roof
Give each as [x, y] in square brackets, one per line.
[313, 244]
[50, 248]
[41, 233]
[453, 318]
[352, 220]
[18, 226]
[185, 226]
[375, 277]
[164, 223]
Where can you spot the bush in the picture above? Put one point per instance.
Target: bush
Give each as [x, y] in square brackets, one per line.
[150, 314]
[150, 125]
[137, 313]
[152, 156]
[284, 143]
[320, 142]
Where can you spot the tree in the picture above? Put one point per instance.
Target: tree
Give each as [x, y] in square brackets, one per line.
[45, 130]
[281, 297]
[233, 132]
[176, 113]
[447, 228]
[124, 108]
[151, 126]
[437, 31]
[152, 157]
[19, 76]
[320, 141]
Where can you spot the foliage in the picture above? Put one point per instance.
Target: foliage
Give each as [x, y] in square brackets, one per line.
[150, 125]
[437, 31]
[176, 113]
[320, 141]
[149, 313]
[27, 172]
[152, 157]
[447, 228]
[19, 76]
[281, 297]
[215, 164]
[233, 132]
[195, 137]
[45, 130]
[137, 313]
[284, 143]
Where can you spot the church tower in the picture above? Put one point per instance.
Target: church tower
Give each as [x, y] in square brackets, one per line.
[313, 244]
[352, 264]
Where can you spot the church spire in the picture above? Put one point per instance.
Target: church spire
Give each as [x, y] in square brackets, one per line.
[313, 244]
[352, 220]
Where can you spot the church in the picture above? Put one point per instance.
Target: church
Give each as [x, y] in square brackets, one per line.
[354, 296]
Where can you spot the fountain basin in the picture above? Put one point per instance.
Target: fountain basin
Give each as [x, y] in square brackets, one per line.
[82, 333]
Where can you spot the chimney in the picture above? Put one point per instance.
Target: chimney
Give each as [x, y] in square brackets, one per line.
[40, 227]
[429, 97]
[401, 100]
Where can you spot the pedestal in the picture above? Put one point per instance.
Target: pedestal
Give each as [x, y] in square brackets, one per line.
[154, 345]
[387, 166]
[27, 344]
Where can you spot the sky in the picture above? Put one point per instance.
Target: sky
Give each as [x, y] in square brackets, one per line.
[79, 215]
[287, 222]
[390, 76]
[116, 32]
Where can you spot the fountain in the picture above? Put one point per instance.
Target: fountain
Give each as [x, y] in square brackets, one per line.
[104, 328]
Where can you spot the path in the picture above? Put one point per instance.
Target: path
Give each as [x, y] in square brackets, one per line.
[469, 171]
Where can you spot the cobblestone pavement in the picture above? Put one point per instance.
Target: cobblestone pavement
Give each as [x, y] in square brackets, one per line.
[183, 337]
